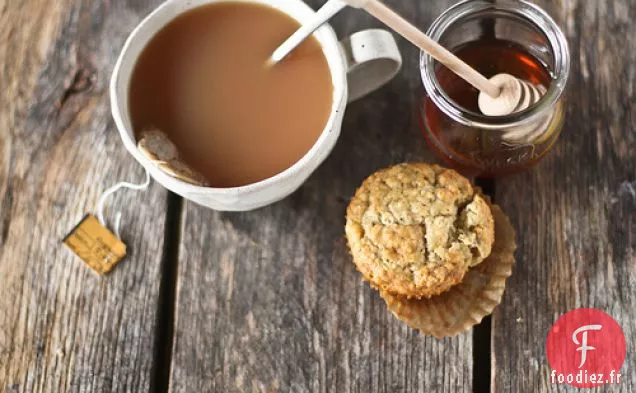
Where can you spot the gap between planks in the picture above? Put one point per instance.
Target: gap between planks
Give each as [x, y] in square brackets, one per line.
[482, 333]
[160, 381]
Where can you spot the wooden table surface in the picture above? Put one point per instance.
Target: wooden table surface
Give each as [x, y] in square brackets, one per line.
[269, 301]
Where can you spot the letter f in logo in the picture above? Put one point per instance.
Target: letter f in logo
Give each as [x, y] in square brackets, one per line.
[584, 347]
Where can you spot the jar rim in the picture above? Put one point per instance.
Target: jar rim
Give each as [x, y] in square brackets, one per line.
[520, 8]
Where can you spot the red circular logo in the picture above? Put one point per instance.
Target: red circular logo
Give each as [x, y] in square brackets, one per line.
[586, 348]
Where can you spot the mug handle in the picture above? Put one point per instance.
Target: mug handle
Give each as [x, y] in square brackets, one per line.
[372, 59]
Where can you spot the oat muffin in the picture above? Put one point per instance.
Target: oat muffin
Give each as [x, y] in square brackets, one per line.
[415, 229]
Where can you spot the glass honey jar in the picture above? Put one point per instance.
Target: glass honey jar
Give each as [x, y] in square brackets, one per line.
[503, 36]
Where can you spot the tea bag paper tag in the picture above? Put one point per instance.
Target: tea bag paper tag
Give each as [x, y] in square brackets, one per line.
[93, 242]
[96, 245]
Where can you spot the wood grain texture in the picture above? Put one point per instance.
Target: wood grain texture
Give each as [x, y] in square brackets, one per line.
[270, 301]
[576, 212]
[63, 328]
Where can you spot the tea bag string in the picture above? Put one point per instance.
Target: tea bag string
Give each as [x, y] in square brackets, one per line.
[101, 204]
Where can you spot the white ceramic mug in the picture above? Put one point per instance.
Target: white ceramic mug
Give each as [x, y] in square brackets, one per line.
[359, 65]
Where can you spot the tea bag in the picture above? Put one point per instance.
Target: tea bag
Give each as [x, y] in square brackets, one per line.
[101, 246]
[156, 146]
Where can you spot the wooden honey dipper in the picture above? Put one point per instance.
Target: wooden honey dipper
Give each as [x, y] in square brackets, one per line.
[501, 95]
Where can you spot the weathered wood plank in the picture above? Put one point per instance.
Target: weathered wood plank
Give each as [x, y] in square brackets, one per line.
[62, 328]
[270, 301]
[576, 212]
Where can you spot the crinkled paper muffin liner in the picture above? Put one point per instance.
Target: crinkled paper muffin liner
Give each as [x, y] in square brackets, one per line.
[468, 302]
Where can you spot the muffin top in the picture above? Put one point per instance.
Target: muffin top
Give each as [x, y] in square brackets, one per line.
[415, 229]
